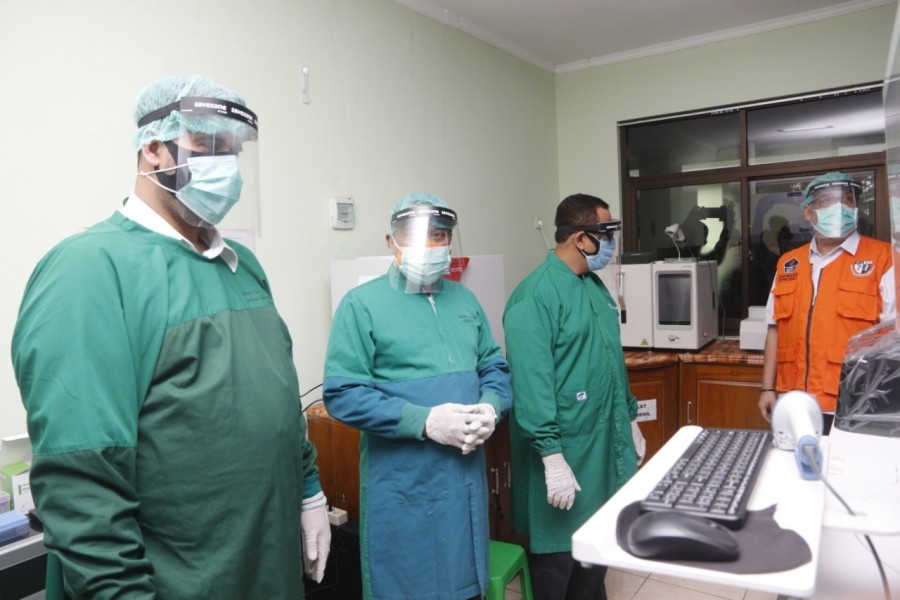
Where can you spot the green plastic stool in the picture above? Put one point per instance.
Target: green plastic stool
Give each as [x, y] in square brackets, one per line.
[507, 561]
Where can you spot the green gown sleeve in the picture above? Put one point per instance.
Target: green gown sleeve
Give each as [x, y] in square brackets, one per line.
[530, 329]
[79, 372]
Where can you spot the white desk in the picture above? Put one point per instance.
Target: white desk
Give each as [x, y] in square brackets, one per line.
[865, 471]
[801, 504]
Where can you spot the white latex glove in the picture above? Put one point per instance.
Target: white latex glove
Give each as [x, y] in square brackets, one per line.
[561, 483]
[316, 533]
[450, 423]
[640, 444]
[486, 423]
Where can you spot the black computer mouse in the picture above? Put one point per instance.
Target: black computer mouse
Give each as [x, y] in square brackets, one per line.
[675, 535]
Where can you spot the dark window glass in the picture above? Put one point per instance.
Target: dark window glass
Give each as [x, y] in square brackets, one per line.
[821, 128]
[681, 146]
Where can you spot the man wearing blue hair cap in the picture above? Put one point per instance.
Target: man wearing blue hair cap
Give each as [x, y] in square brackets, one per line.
[412, 364]
[823, 293]
[170, 451]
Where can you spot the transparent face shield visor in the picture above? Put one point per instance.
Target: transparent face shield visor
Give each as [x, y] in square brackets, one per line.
[216, 155]
[427, 247]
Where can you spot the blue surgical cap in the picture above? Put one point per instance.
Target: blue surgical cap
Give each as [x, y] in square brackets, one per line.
[422, 199]
[830, 180]
[172, 89]
[417, 199]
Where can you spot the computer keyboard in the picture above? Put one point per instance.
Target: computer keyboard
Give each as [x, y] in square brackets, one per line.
[714, 477]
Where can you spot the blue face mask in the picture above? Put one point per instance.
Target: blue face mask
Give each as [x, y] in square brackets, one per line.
[214, 187]
[835, 221]
[605, 250]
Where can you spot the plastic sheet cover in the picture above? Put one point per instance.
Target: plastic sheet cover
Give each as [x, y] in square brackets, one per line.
[869, 395]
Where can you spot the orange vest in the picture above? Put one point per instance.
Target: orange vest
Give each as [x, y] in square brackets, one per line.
[812, 337]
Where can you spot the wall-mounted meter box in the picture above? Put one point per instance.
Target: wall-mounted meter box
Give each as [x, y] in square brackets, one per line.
[343, 214]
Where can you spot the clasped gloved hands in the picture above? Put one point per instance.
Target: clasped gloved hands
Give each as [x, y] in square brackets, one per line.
[561, 482]
[487, 421]
[316, 532]
[465, 426]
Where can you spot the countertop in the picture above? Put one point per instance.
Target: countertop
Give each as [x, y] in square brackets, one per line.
[721, 351]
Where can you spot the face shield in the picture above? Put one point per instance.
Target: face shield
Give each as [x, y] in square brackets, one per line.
[426, 247]
[216, 158]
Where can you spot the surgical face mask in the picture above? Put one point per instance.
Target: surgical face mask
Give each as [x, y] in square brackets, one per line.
[424, 266]
[213, 185]
[605, 249]
[835, 221]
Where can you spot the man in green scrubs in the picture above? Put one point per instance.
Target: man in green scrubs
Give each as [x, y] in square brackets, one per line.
[572, 438]
[170, 450]
[412, 364]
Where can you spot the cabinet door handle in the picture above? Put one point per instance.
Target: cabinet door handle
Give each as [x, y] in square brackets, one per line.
[689, 412]
[496, 489]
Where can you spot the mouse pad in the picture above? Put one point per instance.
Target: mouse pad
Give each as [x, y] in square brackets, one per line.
[765, 546]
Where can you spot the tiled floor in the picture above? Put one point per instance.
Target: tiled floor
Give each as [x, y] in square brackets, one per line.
[630, 585]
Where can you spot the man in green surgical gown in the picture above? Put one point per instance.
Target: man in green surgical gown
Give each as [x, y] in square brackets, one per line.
[571, 436]
[170, 451]
[412, 364]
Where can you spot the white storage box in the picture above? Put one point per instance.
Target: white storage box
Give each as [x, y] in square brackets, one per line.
[754, 329]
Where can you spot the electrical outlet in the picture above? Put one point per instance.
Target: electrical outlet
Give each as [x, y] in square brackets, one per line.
[336, 516]
[538, 224]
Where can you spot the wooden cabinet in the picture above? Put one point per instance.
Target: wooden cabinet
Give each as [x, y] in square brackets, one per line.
[720, 388]
[338, 459]
[653, 377]
[499, 473]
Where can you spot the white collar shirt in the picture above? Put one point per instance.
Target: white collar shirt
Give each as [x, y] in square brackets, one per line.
[135, 209]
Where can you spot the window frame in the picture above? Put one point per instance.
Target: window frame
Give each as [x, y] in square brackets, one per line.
[745, 173]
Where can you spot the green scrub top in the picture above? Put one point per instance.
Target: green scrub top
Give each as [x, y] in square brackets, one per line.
[392, 356]
[170, 451]
[572, 396]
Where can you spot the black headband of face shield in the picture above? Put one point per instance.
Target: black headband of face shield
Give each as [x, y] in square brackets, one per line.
[436, 212]
[206, 106]
[606, 228]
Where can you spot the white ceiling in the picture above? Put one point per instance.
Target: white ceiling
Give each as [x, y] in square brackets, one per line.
[565, 35]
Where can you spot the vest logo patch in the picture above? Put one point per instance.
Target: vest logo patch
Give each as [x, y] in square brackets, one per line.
[861, 268]
[791, 265]
[581, 396]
